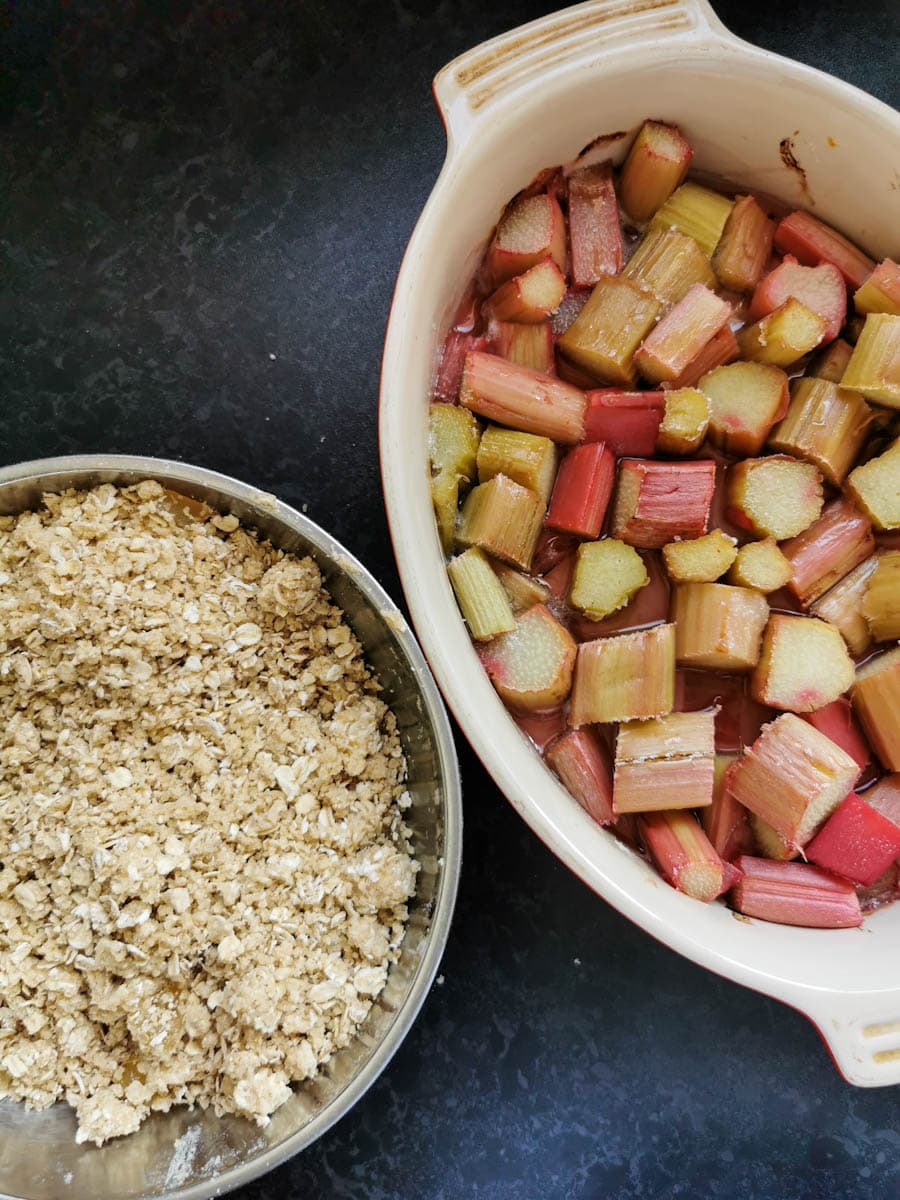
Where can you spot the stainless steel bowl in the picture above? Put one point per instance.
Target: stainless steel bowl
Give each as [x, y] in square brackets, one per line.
[190, 1155]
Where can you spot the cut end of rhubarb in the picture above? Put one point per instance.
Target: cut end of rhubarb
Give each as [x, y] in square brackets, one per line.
[804, 664]
[608, 574]
[776, 497]
[531, 667]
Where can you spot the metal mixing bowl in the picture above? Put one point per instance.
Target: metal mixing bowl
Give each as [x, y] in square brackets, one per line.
[190, 1155]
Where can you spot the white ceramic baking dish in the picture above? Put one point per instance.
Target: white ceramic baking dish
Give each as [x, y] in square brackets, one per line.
[523, 101]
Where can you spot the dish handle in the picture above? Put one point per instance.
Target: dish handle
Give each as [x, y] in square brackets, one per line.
[862, 1033]
[488, 76]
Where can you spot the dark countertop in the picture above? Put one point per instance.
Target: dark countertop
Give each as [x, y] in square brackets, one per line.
[202, 210]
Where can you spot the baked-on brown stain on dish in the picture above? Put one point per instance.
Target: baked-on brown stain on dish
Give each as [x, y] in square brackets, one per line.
[790, 160]
[602, 139]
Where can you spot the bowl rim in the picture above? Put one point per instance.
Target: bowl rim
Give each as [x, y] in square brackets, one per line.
[172, 471]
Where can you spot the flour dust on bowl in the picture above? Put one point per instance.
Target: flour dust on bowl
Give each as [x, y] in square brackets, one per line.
[194, 1153]
[584, 80]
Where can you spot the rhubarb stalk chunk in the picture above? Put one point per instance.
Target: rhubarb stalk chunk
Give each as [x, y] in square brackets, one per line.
[745, 401]
[717, 626]
[876, 488]
[656, 164]
[784, 336]
[839, 540]
[856, 841]
[820, 288]
[881, 603]
[793, 777]
[831, 362]
[775, 497]
[657, 502]
[502, 518]
[532, 228]
[874, 366]
[826, 425]
[480, 595]
[628, 422]
[453, 436]
[523, 399]
[607, 576]
[603, 338]
[760, 565]
[702, 560]
[804, 664]
[681, 334]
[665, 763]
[725, 822]
[523, 591]
[625, 678]
[667, 264]
[842, 607]
[527, 345]
[684, 855]
[696, 211]
[581, 762]
[594, 231]
[768, 842]
[836, 721]
[523, 457]
[531, 667]
[794, 894]
[745, 246]
[685, 421]
[718, 351]
[582, 490]
[881, 291]
[811, 241]
[530, 297]
[876, 699]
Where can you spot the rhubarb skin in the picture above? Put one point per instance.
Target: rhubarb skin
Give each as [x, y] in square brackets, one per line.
[684, 855]
[820, 288]
[777, 496]
[884, 797]
[522, 399]
[682, 334]
[665, 763]
[881, 603]
[658, 502]
[581, 761]
[452, 361]
[541, 728]
[837, 722]
[876, 701]
[725, 822]
[504, 519]
[582, 490]
[874, 366]
[836, 542]
[527, 345]
[696, 211]
[745, 245]
[523, 591]
[826, 425]
[718, 352]
[793, 777]
[717, 626]
[804, 664]
[769, 843]
[531, 229]
[531, 297]
[667, 264]
[603, 338]
[531, 667]
[624, 678]
[842, 604]
[628, 422]
[792, 893]
[875, 486]
[831, 362]
[745, 401]
[856, 842]
[811, 242]
[654, 167]
[595, 235]
[881, 291]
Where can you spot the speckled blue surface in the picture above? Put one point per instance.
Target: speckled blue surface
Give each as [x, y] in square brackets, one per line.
[202, 210]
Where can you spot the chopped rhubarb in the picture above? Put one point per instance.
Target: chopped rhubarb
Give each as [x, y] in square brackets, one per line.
[648, 606]
[793, 893]
[656, 164]
[793, 777]
[842, 607]
[884, 797]
[700, 560]
[684, 855]
[831, 362]
[784, 336]
[531, 297]
[717, 626]
[745, 245]
[826, 425]
[581, 761]
[719, 350]
[450, 367]
[628, 422]
[745, 401]
[527, 345]
[696, 211]
[874, 366]
[624, 678]
[594, 232]
[657, 502]
[760, 565]
[804, 664]
[725, 822]
[883, 891]
[527, 459]
[876, 701]
[682, 334]
[582, 490]
[480, 595]
[542, 727]
[503, 518]
[811, 241]
[685, 421]
[453, 436]
[856, 841]
[836, 721]
[881, 603]
[532, 228]
[881, 291]
[607, 576]
[667, 264]
[876, 488]
[820, 288]
[526, 400]
[836, 542]
[531, 667]
[522, 591]
[775, 497]
[665, 763]
[603, 338]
